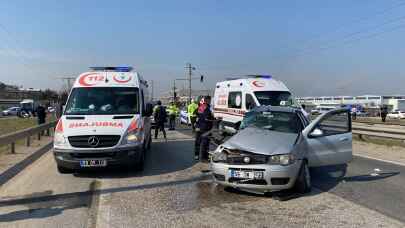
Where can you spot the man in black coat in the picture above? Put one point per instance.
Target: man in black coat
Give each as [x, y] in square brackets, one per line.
[203, 125]
[41, 114]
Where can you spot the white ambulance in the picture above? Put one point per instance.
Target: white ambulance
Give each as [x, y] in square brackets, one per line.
[106, 121]
[234, 97]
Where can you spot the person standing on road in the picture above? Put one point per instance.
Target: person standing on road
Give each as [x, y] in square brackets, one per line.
[173, 112]
[192, 113]
[41, 114]
[160, 116]
[203, 125]
[384, 113]
[354, 113]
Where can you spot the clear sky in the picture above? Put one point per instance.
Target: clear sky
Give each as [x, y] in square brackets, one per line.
[317, 47]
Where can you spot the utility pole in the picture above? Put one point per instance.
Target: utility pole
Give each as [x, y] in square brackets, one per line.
[174, 90]
[152, 91]
[69, 80]
[189, 72]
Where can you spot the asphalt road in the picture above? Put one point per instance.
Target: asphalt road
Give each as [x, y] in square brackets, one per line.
[175, 191]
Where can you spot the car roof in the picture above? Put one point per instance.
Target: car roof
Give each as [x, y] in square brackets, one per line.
[270, 108]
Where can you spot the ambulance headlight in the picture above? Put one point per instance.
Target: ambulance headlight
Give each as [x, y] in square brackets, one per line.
[134, 133]
[59, 140]
[133, 137]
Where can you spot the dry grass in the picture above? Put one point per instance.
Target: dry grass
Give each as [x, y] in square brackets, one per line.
[10, 125]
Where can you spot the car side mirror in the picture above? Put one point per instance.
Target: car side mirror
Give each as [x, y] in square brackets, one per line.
[316, 133]
[148, 109]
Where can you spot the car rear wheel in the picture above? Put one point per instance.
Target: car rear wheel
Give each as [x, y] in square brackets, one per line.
[303, 182]
[64, 170]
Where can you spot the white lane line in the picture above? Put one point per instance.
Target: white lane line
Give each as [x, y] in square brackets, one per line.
[379, 159]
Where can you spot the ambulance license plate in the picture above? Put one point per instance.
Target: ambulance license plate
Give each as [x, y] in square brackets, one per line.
[93, 163]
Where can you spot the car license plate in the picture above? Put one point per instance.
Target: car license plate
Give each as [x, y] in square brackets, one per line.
[258, 175]
[93, 163]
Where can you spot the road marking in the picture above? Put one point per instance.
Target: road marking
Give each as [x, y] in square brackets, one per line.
[378, 159]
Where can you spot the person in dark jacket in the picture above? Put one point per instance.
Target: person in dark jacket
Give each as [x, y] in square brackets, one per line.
[203, 125]
[41, 114]
[160, 116]
[384, 113]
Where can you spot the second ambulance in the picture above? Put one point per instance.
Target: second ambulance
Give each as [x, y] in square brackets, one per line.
[234, 97]
[106, 121]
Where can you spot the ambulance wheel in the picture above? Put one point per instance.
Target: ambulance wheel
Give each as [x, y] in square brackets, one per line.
[64, 170]
[149, 145]
[139, 166]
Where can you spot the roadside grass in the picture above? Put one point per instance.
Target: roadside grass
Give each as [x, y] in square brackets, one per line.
[10, 125]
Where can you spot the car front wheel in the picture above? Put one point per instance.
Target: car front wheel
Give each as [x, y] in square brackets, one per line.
[303, 182]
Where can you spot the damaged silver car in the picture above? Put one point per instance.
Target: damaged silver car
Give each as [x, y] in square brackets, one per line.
[276, 146]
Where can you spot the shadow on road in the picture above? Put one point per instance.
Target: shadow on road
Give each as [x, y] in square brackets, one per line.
[164, 157]
[327, 178]
[38, 207]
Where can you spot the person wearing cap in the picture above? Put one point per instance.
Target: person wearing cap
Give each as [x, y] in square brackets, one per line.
[192, 113]
[203, 126]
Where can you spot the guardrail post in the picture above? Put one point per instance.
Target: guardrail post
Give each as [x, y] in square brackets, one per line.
[39, 136]
[28, 141]
[13, 147]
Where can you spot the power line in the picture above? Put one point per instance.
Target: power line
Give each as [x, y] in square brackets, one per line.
[382, 12]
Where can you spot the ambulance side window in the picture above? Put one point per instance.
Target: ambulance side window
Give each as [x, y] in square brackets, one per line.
[250, 102]
[235, 100]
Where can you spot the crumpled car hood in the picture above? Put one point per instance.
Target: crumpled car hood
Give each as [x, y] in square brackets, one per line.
[262, 141]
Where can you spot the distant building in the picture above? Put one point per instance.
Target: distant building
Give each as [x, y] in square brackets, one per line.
[393, 102]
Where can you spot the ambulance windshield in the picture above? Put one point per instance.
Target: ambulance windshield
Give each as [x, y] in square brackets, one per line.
[275, 98]
[103, 101]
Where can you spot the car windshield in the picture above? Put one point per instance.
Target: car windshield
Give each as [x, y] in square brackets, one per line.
[275, 98]
[287, 122]
[103, 101]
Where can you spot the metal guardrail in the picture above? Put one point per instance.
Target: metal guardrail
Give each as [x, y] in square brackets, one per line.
[361, 131]
[10, 139]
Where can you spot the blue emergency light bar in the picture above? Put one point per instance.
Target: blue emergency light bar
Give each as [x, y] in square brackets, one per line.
[115, 69]
[260, 76]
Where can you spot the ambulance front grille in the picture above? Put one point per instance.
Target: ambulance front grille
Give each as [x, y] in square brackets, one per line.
[86, 141]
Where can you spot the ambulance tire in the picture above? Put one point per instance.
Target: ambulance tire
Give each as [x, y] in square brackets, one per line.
[139, 166]
[149, 144]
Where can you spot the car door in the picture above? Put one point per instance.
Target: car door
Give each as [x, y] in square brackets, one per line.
[328, 139]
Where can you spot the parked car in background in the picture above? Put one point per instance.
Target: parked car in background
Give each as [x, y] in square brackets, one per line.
[321, 109]
[396, 115]
[276, 146]
[361, 114]
[13, 111]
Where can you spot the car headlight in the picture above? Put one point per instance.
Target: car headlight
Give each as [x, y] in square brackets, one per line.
[59, 140]
[219, 155]
[282, 159]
